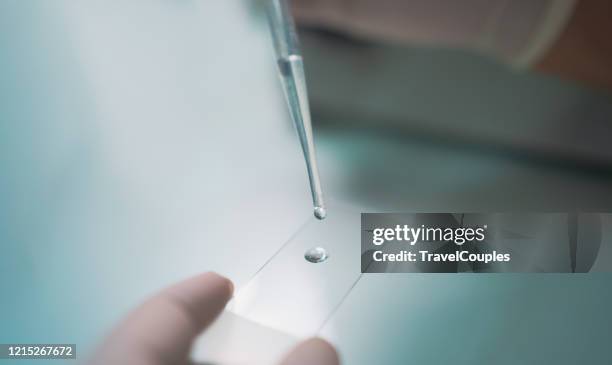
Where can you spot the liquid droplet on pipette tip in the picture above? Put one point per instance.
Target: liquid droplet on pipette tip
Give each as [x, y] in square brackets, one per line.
[320, 212]
[316, 255]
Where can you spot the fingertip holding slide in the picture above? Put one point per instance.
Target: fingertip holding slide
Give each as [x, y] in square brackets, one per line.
[223, 284]
[199, 300]
[312, 351]
[203, 294]
[163, 328]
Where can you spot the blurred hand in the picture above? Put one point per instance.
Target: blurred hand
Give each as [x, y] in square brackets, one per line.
[378, 19]
[581, 52]
[162, 330]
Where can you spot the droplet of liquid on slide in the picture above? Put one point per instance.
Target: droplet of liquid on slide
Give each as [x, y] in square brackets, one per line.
[316, 255]
[320, 212]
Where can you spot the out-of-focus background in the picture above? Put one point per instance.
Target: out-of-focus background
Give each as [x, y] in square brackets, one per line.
[146, 141]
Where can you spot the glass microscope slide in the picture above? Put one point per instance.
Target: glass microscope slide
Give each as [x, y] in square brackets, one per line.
[289, 298]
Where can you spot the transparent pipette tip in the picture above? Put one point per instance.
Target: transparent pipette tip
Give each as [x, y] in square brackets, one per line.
[320, 212]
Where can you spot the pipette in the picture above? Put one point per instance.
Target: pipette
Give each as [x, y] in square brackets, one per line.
[291, 70]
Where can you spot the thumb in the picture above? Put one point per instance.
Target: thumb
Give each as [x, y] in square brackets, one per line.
[161, 330]
[314, 351]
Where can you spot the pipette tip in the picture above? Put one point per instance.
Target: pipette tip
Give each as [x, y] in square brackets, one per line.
[320, 212]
